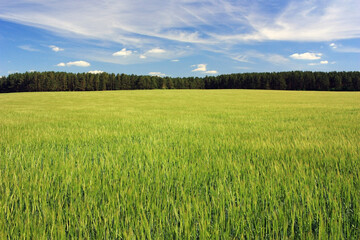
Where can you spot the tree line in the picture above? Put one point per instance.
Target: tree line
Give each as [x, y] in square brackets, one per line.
[295, 80]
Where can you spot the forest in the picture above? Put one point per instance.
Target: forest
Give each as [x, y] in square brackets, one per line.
[295, 80]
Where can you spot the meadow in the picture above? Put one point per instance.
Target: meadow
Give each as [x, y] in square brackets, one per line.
[180, 164]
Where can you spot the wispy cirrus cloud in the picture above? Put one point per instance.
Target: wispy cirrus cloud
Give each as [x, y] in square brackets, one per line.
[150, 27]
[241, 58]
[137, 23]
[303, 21]
[252, 56]
[28, 48]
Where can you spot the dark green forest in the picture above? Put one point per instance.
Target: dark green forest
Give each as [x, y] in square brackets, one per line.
[295, 80]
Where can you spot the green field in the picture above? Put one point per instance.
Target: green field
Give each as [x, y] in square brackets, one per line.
[180, 164]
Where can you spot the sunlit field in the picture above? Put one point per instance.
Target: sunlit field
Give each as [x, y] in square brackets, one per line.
[180, 164]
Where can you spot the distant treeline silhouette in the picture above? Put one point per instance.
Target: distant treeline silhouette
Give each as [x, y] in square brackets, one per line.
[295, 80]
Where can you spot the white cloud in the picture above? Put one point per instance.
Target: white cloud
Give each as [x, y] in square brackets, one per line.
[153, 53]
[306, 56]
[319, 63]
[175, 60]
[333, 45]
[76, 63]
[96, 71]
[158, 74]
[123, 52]
[156, 51]
[203, 68]
[212, 72]
[28, 48]
[200, 68]
[55, 48]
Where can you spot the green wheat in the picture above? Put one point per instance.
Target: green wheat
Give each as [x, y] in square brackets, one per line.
[180, 164]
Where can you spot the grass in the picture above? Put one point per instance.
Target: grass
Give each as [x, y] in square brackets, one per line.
[180, 164]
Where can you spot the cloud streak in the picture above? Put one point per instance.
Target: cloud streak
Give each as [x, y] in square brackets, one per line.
[156, 51]
[333, 45]
[28, 48]
[96, 71]
[123, 52]
[306, 56]
[158, 74]
[319, 63]
[251, 56]
[76, 63]
[55, 48]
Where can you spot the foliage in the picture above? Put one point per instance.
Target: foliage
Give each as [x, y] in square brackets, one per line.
[61, 81]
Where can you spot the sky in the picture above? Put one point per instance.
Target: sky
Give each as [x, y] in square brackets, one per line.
[179, 38]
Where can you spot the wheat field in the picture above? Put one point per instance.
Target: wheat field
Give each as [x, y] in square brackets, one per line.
[180, 164]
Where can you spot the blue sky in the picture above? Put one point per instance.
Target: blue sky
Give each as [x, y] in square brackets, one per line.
[179, 37]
